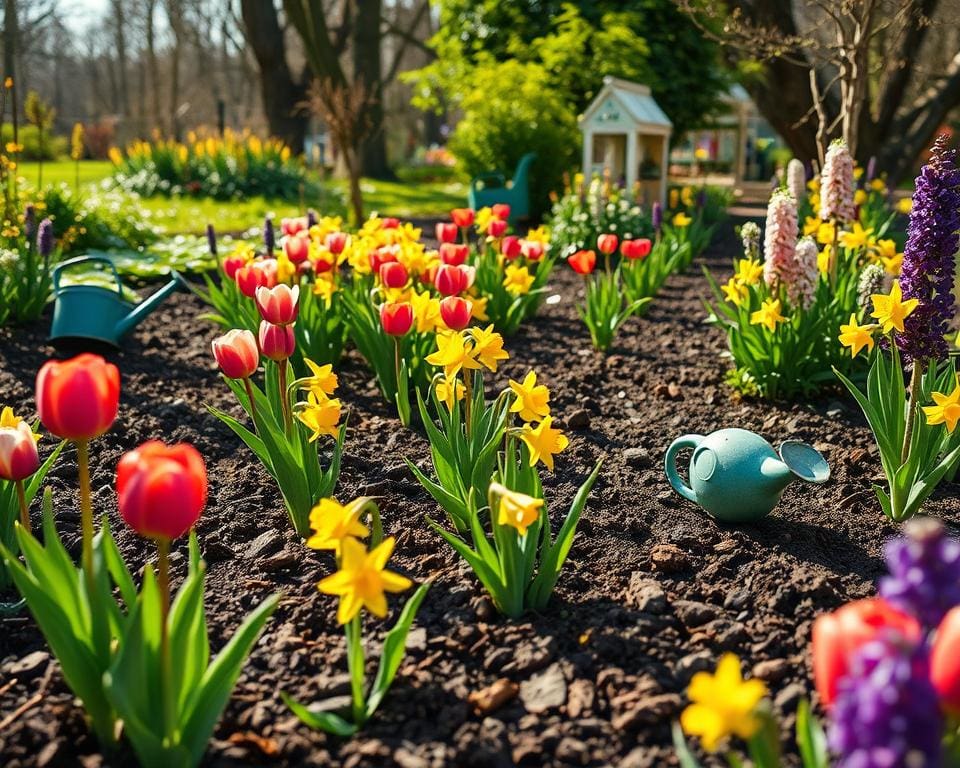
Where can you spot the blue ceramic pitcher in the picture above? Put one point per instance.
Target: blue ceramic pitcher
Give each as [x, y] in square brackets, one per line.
[737, 476]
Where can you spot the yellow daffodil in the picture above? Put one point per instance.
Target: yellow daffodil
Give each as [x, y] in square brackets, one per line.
[768, 315]
[886, 251]
[859, 197]
[749, 271]
[947, 409]
[857, 237]
[332, 522]
[857, 172]
[426, 311]
[488, 347]
[539, 234]
[891, 310]
[453, 353]
[735, 291]
[823, 259]
[517, 280]
[811, 226]
[543, 441]
[814, 184]
[483, 218]
[532, 399]
[449, 391]
[904, 205]
[681, 220]
[320, 415]
[673, 198]
[479, 309]
[286, 269]
[723, 704]
[825, 233]
[878, 185]
[363, 581]
[857, 336]
[323, 381]
[686, 197]
[516, 509]
[325, 287]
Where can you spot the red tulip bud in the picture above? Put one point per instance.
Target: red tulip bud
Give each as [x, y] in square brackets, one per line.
[501, 211]
[390, 222]
[396, 318]
[297, 248]
[636, 249]
[496, 228]
[532, 249]
[382, 255]
[336, 242]
[456, 312]
[510, 247]
[583, 262]
[279, 305]
[838, 635]
[249, 278]
[18, 452]
[454, 253]
[607, 244]
[161, 489]
[393, 274]
[277, 342]
[236, 353]
[450, 280]
[446, 232]
[78, 399]
[231, 264]
[463, 217]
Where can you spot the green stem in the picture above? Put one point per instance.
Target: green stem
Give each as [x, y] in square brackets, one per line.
[915, 377]
[285, 398]
[396, 361]
[166, 669]
[24, 511]
[86, 511]
[355, 663]
[253, 405]
[467, 400]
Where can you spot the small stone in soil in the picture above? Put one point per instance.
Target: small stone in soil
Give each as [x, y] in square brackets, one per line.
[545, 690]
[637, 457]
[579, 419]
[30, 666]
[669, 558]
[494, 696]
[646, 595]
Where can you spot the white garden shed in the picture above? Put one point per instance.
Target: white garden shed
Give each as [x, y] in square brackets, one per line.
[626, 134]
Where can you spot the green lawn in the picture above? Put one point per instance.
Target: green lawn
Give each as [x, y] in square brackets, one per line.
[191, 215]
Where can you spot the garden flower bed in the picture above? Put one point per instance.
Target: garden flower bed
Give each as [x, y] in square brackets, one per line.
[653, 592]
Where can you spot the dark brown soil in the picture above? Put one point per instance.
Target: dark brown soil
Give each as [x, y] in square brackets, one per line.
[654, 589]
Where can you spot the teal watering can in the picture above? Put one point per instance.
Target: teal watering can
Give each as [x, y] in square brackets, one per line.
[737, 476]
[96, 313]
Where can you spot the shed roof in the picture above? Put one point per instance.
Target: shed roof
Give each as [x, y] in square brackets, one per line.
[636, 100]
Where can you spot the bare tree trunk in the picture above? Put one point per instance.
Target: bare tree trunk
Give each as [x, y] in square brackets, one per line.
[120, 41]
[175, 17]
[368, 70]
[153, 67]
[11, 38]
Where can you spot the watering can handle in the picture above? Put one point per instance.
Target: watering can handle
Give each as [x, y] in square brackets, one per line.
[670, 464]
[86, 260]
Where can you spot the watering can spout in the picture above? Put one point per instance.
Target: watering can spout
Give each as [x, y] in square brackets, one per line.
[775, 474]
[147, 306]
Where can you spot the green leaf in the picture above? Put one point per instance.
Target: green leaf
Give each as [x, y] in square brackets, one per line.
[322, 721]
[684, 756]
[811, 740]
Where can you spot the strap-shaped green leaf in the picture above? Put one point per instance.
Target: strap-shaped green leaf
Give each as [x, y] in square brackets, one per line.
[811, 740]
[322, 721]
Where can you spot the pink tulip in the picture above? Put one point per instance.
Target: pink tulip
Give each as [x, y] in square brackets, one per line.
[293, 226]
[236, 353]
[277, 342]
[297, 248]
[18, 452]
[336, 242]
[532, 249]
[279, 305]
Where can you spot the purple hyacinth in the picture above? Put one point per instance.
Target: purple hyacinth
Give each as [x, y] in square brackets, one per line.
[45, 238]
[656, 215]
[29, 220]
[924, 568]
[311, 218]
[269, 237]
[887, 714]
[872, 168]
[928, 258]
[212, 239]
[702, 197]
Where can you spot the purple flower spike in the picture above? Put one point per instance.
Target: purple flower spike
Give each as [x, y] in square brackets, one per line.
[872, 168]
[212, 239]
[656, 215]
[924, 568]
[269, 237]
[45, 238]
[887, 714]
[311, 218]
[929, 256]
[29, 220]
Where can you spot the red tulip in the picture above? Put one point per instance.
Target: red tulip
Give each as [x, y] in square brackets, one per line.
[231, 264]
[450, 280]
[945, 662]
[336, 242]
[446, 232]
[500, 211]
[393, 274]
[236, 353]
[293, 226]
[636, 249]
[277, 341]
[297, 248]
[396, 318]
[429, 275]
[496, 228]
[456, 312]
[532, 249]
[607, 244]
[251, 277]
[510, 247]
[382, 255]
[463, 217]
[279, 305]
[322, 265]
[454, 253]
[161, 489]
[838, 635]
[583, 262]
[18, 452]
[269, 268]
[77, 399]
[391, 223]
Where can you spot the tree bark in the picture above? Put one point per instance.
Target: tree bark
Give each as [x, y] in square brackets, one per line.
[175, 17]
[11, 35]
[281, 92]
[153, 67]
[368, 70]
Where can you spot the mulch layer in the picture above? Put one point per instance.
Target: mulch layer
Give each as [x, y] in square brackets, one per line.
[654, 589]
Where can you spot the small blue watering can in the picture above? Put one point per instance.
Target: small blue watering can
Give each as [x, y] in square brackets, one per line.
[737, 476]
[96, 313]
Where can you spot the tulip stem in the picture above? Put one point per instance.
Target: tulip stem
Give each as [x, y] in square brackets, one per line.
[911, 410]
[24, 511]
[284, 397]
[166, 673]
[253, 405]
[86, 510]
[467, 399]
[396, 361]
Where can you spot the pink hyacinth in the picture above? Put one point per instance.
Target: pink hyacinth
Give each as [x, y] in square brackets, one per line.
[780, 239]
[836, 184]
[797, 179]
[802, 288]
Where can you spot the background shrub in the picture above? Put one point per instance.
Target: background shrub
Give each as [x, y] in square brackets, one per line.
[54, 147]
